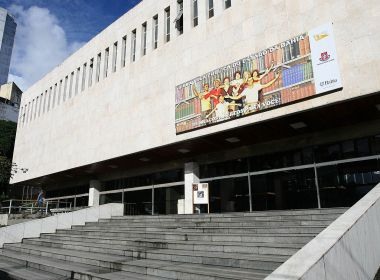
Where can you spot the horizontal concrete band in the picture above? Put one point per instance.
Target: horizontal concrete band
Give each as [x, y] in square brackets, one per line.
[16, 233]
[348, 249]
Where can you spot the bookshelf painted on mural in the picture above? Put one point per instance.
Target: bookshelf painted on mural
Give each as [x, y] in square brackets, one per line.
[301, 67]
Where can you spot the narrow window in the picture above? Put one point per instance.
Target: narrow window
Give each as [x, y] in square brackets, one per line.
[179, 18]
[49, 98]
[210, 8]
[71, 84]
[167, 24]
[40, 106]
[143, 39]
[195, 13]
[28, 113]
[30, 116]
[59, 92]
[114, 57]
[54, 95]
[44, 106]
[65, 88]
[123, 50]
[20, 115]
[77, 81]
[25, 113]
[106, 58]
[33, 110]
[84, 76]
[133, 46]
[227, 4]
[90, 71]
[155, 32]
[97, 74]
[37, 107]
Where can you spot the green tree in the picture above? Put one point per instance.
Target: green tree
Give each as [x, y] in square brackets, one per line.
[7, 140]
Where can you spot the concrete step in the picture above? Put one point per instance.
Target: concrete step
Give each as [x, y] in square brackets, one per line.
[137, 269]
[115, 245]
[206, 247]
[104, 223]
[71, 270]
[105, 259]
[201, 218]
[294, 212]
[208, 229]
[252, 237]
[11, 270]
[173, 270]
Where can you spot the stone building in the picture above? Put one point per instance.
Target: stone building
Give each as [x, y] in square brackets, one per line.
[168, 95]
[10, 99]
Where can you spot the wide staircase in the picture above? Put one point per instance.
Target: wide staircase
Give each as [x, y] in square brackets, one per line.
[207, 246]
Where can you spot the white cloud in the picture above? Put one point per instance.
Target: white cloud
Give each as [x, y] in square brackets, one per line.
[40, 45]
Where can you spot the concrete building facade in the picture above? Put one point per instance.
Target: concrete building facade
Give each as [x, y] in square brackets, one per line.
[105, 118]
[7, 35]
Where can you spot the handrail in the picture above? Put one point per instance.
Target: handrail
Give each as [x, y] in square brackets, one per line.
[27, 205]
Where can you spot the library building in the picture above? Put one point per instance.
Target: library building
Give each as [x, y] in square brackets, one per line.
[210, 106]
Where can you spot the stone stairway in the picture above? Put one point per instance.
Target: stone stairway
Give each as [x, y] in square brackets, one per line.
[209, 246]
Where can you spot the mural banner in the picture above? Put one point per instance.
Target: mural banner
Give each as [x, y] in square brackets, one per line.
[299, 68]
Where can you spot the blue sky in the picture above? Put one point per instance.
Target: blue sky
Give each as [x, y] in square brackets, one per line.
[48, 31]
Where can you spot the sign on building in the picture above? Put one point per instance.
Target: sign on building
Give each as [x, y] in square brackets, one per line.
[200, 194]
[294, 70]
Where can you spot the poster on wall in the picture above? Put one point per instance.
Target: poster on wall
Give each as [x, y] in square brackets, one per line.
[200, 194]
[301, 67]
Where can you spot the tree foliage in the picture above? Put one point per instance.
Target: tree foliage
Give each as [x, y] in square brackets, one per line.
[7, 140]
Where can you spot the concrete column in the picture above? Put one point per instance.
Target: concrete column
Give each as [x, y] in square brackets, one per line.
[218, 7]
[187, 19]
[202, 11]
[191, 177]
[149, 35]
[173, 15]
[138, 42]
[93, 194]
[128, 49]
[161, 28]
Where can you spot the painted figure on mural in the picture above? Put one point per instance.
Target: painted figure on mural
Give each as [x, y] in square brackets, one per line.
[215, 93]
[251, 91]
[204, 99]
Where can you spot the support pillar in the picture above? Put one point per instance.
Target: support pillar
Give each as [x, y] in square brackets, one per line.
[191, 177]
[93, 194]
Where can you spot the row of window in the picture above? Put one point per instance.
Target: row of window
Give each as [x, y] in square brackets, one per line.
[361, 147]
[75, 82]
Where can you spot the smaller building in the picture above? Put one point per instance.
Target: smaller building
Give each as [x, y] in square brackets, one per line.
[10, 98]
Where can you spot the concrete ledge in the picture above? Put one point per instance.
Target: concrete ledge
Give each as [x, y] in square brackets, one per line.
[348, 249]
[31, 229]
[3, 219]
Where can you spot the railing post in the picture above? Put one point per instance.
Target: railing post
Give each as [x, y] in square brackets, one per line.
[152, 200]
[10, 207]
[317, 185]
[75, 202]
[46, 207]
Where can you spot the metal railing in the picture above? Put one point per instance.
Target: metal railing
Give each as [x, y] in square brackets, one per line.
[15, 206]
